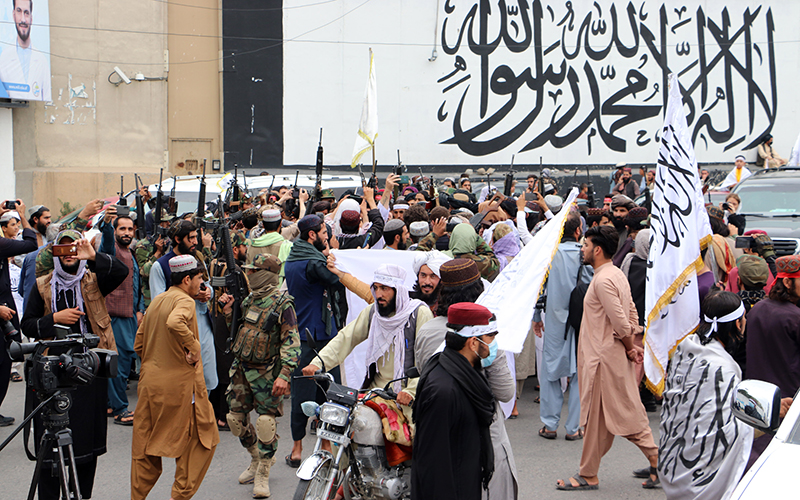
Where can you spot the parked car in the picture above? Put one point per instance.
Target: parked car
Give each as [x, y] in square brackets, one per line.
[770, 202]
[757, 404]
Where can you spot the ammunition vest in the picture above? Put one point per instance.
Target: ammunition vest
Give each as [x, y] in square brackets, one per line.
[93, 302]
[259, 338]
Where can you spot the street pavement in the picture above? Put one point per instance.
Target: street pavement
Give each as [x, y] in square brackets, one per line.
[540, 462]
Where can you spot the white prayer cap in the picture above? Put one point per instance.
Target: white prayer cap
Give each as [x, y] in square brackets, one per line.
[433, 259]
[553, 202]
[12, 214]
[390, 275]
[419, 228]
[181, 263]
[271, 215]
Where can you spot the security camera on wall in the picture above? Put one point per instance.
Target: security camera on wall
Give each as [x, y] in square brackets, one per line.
[122, 75]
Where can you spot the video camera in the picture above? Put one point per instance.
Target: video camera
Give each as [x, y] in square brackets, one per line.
[78, 364]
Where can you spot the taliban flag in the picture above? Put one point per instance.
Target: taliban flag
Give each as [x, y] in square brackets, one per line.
[679, 228]
[368, 126]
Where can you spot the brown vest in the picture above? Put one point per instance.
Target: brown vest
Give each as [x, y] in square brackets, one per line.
[93, 302]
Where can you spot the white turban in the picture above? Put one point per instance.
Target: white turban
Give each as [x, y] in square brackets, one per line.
[433, 259]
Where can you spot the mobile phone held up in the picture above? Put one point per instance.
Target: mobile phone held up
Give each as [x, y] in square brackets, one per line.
[10, 205]
[66, 250]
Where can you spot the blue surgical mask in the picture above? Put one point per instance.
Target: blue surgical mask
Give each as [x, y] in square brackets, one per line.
[488, 360]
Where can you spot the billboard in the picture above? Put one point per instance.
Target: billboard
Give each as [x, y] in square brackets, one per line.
[25, 50]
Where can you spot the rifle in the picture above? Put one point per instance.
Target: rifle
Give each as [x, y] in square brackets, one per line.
[140, 220]
[157, 230]
[201, 195]
[234, 199]
[122, 201]
[318, 182]
[361, 173]
[233, 281]
[509, 180]
[541, 178]
[590, 185]
[172, 204]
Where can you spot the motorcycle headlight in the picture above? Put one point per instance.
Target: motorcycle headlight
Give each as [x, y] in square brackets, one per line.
[334, 414]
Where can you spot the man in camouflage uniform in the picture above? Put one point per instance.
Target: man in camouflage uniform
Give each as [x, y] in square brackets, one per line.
[146, 252]
[267, 348]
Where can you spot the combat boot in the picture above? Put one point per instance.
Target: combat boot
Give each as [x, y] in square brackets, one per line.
[261, 483]
[247, 476]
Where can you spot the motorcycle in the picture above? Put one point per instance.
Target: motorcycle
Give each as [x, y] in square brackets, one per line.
[356, 430]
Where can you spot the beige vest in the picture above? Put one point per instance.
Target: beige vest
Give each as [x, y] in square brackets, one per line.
[93, 302]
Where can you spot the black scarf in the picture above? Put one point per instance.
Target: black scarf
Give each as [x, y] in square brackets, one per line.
[475, 386]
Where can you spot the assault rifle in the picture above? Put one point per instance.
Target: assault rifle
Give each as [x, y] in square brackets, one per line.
[318, 182]
[159, 231]
[508, 184]
[234, 281]
[590, 185]
[122, 201]
[201, 195]
[140, 220]
[172, 204]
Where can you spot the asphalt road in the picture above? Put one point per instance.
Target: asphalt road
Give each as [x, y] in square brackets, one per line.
[539, 462]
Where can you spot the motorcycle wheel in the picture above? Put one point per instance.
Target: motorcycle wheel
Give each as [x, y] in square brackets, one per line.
[314, 488]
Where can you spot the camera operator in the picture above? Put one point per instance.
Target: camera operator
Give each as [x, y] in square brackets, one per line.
[8, 310]
[73, 295]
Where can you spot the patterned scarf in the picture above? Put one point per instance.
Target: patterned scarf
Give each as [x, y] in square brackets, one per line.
[62, 282]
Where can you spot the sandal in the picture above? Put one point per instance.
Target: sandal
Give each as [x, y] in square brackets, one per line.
[548, 434]
[575, 437]
[124, 418]
[582, 484]
[16, 377]
[294, 464]
[536, 400]
[650, 484]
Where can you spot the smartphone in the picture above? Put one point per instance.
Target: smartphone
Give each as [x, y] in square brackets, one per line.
[123, 211]
[65, 250]
[11, 205]
[531, 197]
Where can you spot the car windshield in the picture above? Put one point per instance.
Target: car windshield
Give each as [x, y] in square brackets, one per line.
[770, 196]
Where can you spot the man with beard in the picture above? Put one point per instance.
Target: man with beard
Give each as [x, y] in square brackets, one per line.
[559, 339]
[426, 267]
[453, 454]
[39, 218]
[271, 241]
[317, 292]
[24, 71]
[183, 236]
[620, 206]
[390, 327]
[607, 358]
[224, 360]
[173, 416]
[395, 234]
[72, 295]
[627, 185]
[125, 306]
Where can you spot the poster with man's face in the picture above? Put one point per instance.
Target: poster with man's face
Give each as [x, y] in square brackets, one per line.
[25, 50]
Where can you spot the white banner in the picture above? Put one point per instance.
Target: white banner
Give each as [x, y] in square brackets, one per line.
[513, 294]
[678, 227]
[794, 159]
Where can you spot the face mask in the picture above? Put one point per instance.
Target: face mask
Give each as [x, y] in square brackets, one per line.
[488, 360]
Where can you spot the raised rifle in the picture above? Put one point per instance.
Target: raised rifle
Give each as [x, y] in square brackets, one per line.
[590, 185]
[234, 282]
[172, 204]
[233, 204]
[361, 173]
[318, 181]
[122, 201]
[201, 195]
[541, 177]
[140, 220]
[508, 185]
[157, 229]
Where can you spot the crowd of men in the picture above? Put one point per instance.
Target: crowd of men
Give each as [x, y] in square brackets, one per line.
[207, 354]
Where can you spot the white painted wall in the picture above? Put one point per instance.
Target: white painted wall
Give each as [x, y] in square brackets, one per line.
[7, 182]
[326, 65]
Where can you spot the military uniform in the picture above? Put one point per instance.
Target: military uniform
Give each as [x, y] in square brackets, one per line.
[145, 255]
[267, 347]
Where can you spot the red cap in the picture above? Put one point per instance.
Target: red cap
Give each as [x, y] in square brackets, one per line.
[468, 313]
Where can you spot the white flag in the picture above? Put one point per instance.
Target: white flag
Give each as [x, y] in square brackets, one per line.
[514, 292]
[679, 227]
[368, 125]
[794, 159]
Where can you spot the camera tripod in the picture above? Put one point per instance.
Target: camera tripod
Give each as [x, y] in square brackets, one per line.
[57, 436]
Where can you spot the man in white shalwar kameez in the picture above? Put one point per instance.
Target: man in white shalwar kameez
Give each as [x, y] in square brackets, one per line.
[737, 175]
